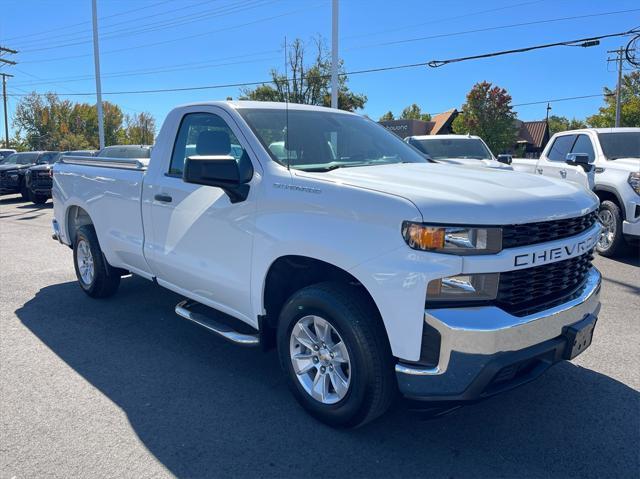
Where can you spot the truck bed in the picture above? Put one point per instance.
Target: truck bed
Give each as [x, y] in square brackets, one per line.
[109, 190]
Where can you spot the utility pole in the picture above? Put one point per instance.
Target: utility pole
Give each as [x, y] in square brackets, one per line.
[4, 91]
[620, 60]
[334, 54]
[548, 110]
[96, 61]
[4, 101]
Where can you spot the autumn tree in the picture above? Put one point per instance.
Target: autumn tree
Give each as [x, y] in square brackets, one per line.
[45, 122]
[309, 80]
[488, 114]
[629, 102]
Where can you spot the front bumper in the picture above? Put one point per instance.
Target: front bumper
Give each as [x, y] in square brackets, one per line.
[631, 229]
[485, 350]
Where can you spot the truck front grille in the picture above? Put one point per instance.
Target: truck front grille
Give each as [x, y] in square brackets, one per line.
[530, 290]
[541, 232]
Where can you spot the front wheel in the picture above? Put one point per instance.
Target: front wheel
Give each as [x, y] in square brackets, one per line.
[97, 278]
[335, 354]
[37, 199]
[611, 241]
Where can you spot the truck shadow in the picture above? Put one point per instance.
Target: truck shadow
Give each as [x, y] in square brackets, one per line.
[207, 408]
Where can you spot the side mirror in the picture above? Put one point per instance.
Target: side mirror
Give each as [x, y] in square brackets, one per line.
[222, 172]
[506, 159]
[579, 159]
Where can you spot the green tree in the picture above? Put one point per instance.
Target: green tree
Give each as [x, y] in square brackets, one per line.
[562, 123]
[629, 102]
[139, 129]
[309, 83]
[488, 114]
[388, 116]
[414, 112]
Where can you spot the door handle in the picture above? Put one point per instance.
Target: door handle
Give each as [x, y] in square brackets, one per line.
[539, 170]
[163, 198]
[563, 173]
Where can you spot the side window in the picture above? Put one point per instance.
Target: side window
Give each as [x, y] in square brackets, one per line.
[561, 146]
[203, 134]
[584, 145]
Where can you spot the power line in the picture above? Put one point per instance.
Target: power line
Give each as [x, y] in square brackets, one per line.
[164, 42]
[586, 41]
[168, 69]
[161, 25]
[87, 31]
[64, 27]
[439, 20]
[487, 29]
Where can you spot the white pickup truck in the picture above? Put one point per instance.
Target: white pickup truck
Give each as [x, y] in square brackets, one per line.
[606, 160]
[462, 150]
[371, 269]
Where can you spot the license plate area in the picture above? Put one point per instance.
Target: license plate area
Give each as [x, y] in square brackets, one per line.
[578, 336]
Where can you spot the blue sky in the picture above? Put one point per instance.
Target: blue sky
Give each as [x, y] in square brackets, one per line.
[144, 45]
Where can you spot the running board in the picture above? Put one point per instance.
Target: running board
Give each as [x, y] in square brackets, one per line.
[227, 332]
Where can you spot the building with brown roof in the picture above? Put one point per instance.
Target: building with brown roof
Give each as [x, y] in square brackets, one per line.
[533, 136]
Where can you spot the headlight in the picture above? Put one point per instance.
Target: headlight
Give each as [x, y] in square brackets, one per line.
[464, 287]
[459, 240]
[634, 181]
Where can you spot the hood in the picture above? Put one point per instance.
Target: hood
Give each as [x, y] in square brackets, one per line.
[43, 167]
[470, 162]
[624, 164]
[13, 167]
[483, 196]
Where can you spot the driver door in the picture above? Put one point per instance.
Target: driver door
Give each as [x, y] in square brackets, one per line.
[200, 243]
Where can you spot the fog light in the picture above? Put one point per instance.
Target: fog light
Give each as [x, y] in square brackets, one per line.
[464, 287]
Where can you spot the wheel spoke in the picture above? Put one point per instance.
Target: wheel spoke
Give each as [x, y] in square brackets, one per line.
[302, 363]
[305, 337]
[322, 329]
[339, 351]
[339, 382]
[320, 388]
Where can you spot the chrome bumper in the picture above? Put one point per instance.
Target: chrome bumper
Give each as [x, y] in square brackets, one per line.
[471, 337]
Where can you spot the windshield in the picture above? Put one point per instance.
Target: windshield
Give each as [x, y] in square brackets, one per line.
[49, 157]
[324, 140]
[620, 145]
[20, 159]
[439, 148]
[125, 152]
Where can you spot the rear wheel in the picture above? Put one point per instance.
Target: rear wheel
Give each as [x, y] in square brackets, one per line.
[97, 278]
[335, 354]
[611, 241]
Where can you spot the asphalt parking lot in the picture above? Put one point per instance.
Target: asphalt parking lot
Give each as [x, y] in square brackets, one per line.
[125, 388]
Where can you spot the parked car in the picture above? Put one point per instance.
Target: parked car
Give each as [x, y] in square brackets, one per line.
[37, 179]
[371, 269]
[14, 167]
[463, 150]
[606, 160]
[125, 151]
[4, 152]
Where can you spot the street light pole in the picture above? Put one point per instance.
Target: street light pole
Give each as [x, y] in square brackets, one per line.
[4, 100]
[334, 54]
[96, 61]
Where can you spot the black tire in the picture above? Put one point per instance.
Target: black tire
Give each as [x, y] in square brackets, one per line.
[105, 279]
[616, 244]
[24, 191]
[373, 384]
[37, 199]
